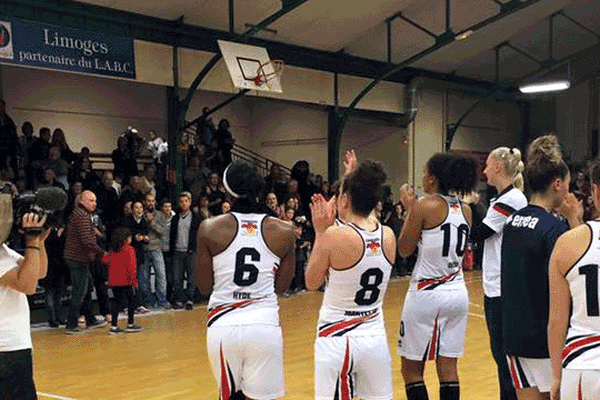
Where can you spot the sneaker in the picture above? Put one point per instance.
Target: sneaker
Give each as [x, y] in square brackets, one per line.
[142, 310]
[53, 324]
[74, 331]
[189, 305]
[133, 328]
[96, 324]
[115, 330]
[177, 306]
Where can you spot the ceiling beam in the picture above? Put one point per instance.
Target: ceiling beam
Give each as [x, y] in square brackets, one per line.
[157, 30]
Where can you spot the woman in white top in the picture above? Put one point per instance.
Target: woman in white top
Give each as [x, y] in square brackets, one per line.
[434, 317]
[503, 170]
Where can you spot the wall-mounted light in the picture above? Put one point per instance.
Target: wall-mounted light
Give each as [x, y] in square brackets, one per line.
[548, 86]
[463, 36]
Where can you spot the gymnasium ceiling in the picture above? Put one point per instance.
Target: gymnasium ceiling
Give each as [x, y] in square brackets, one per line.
[359, 28]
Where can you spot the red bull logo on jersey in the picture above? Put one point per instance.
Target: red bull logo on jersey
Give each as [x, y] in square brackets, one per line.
[249, 228]
[373, 247]
[455, 207]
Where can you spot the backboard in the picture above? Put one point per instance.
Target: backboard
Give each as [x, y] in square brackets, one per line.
[243, 62]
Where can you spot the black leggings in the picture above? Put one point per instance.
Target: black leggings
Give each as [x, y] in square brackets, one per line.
[124, 296]
[16, 375]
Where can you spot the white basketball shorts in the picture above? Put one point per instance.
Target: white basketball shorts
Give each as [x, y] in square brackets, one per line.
[353, 366]
[580, 384]
[247, 358]
[530, 372]
[434, 323]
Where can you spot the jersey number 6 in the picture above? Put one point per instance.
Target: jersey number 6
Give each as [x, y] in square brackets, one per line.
[245, 273]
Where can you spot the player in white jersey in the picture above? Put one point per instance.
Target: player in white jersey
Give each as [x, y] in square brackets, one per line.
[434, 317]
[352, 357]
[502, 169]
[245, 258]
[574, 325]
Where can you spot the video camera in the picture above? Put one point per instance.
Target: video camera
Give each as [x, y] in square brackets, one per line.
[47, 201]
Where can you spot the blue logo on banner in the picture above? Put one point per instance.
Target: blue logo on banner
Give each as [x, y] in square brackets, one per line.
[48, 46]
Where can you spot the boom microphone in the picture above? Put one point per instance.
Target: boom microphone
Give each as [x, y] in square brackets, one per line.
[51, 199]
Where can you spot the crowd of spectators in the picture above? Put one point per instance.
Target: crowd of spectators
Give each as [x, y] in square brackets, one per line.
[135, 195]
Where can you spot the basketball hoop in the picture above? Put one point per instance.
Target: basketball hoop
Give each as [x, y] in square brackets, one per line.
[268, 71]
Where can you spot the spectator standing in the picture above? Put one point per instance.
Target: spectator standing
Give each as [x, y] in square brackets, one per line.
[18, 277]
[122, 278]
[138, 226]
[9, 141]
[26, 142]
[184, 227]
[225, 142]
[108, 199]
[215, 193]
[156, 229]
[39, 151]
[59, 140]
[58, 273]
[164, 218]
[205, 130]
[81, 250]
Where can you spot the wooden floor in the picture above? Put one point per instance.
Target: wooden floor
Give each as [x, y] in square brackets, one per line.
[168, 359]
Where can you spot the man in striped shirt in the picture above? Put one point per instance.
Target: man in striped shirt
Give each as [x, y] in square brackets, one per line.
[81, 249]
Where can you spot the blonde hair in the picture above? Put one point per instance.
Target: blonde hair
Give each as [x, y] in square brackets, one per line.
[511, 163]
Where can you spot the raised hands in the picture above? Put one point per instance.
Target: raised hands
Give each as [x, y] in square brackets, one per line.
[323, 213]
[407, 196]
[572, 210]
[350, 162]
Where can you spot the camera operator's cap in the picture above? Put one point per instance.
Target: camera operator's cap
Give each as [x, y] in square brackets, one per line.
[6, 216]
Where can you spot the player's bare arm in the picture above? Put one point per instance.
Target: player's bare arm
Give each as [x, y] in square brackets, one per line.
[567, 250]
[214, 235]
[280, 238]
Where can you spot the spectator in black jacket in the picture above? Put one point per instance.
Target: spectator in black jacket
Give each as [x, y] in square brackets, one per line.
[9, 141]
[184, 227]
[139, 228]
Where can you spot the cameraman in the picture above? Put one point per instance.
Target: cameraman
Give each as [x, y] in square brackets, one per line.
[18, 277]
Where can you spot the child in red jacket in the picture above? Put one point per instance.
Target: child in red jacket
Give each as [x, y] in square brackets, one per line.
[122, 278]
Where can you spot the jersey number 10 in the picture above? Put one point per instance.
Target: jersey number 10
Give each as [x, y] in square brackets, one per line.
[591, 289]
[461, 241]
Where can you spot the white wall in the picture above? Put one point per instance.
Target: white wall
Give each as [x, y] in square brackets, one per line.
[92, 111]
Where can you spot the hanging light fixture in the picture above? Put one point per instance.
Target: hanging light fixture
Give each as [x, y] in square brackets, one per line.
[549, 86]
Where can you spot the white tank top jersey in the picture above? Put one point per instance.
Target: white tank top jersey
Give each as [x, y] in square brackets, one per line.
[501, 207]
[244, 278]
[352, 304]
[441, 250]
[582, 346]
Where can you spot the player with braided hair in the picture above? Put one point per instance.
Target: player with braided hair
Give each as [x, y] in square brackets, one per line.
[245, 258]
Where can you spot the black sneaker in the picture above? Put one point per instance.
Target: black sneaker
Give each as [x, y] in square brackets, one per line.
[177, 306]
[189, 305]
[74, 331]
[53, 324]
[115, 330]
[96, 324]
[133, 328]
